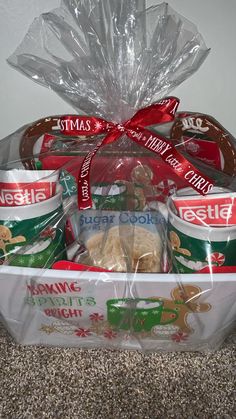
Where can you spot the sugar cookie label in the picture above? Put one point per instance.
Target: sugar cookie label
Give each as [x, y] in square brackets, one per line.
[94, 220]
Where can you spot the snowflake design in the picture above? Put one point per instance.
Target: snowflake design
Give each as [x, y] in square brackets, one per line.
[155, 312]
[112, 310]
[110, 334]
[31, 259]
[96, 317]
[82, 333]
[98, 125]
[48, 232]
[144, 313]
[179, 337]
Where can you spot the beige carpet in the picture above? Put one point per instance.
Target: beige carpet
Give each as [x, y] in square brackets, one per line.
[39, 383]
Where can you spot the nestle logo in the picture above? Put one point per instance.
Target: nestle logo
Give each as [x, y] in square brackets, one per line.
[17, 197]
[210, 214]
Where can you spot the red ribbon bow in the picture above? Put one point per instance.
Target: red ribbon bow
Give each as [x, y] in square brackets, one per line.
[158, 113]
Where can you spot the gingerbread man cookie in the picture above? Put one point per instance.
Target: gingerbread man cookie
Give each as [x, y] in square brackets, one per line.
[6, 238]
[175, 244]
[183, 302]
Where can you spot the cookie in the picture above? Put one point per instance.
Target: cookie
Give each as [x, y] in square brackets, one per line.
[176, 243]
[183, 302]
[175, 240]
[6, 238]
[142, 174]
[185, 252]
[125, 248]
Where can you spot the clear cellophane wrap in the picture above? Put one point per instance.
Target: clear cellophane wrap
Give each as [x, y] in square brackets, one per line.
[148, 264]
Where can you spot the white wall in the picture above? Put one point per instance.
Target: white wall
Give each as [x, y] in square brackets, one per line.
[212, 90]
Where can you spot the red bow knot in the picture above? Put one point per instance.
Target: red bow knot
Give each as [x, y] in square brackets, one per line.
[135, 128]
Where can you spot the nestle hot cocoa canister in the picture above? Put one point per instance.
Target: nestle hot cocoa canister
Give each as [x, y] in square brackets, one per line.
[202, 230]
[217, 209]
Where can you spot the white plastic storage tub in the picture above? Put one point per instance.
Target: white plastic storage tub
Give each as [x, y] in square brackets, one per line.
[121, 311]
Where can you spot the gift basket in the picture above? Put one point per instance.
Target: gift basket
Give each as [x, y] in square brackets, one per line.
[117, 225]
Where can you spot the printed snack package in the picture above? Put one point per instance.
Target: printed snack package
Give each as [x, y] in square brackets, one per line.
[117, 224]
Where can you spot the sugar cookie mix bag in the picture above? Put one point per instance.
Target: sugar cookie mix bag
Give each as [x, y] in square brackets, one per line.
[118, 229]
[122, 241]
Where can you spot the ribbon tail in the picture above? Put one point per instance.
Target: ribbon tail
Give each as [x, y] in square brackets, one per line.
[84, 188]
[161, 112]
[178, 163]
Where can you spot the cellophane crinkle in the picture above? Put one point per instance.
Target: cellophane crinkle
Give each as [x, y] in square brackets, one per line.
[150, 264]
